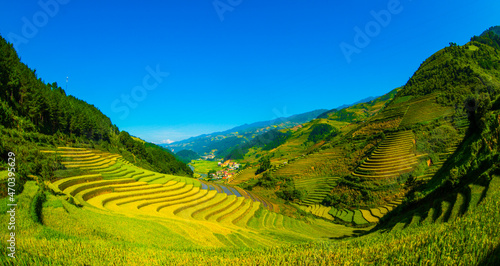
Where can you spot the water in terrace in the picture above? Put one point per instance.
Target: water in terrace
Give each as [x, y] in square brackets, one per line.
[227, 190]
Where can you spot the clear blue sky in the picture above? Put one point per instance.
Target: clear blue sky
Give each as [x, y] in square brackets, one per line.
[242, 62]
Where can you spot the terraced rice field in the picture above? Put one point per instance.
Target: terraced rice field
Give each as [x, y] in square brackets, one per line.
[357, 217]
[312, 165]
[424, 109]
[211, 213]
[373, 215]
[316, 188]
[330, 213]
[449, 208]
[86, 159]
[393, 157]
[319, 210]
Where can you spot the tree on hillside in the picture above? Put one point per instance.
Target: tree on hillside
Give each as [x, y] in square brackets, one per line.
[476, 107]
[264, 166]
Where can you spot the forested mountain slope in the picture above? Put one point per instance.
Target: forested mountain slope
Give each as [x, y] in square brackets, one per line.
[34, 114]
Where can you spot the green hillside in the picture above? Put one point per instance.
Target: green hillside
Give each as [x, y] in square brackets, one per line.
[308, 137]
[361, 111]
[187, 156]
[393, 146]
[494, 29]
[35, 115]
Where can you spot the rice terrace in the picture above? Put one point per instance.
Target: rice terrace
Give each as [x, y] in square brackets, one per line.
[411, 177]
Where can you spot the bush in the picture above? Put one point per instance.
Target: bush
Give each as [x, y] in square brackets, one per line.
[290, 194]
[331, 200]
[321, 132]
[267, 181]
[37, 205]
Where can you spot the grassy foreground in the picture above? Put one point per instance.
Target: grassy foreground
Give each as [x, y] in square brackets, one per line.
[104, 239]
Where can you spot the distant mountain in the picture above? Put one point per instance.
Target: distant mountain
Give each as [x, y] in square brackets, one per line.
[299, 119]
[222, 141]
[293, 142]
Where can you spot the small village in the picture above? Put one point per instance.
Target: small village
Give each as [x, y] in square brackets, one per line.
[229, 169]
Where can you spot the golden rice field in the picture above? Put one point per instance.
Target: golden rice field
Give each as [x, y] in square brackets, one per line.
[72, 235]
[203, 213]
[315, 188]
[394, 156]
[355, 217]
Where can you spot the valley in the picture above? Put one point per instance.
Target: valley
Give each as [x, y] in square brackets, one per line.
[410, 177]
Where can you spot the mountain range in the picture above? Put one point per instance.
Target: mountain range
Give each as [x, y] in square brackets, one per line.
[220, 142]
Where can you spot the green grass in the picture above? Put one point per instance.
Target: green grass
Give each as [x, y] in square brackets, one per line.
[98, 238]
[203, 167]
[4, 175]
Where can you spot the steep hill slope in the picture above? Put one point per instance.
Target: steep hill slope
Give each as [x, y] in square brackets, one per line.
[407, 142]
[360, 111]
[304, 138]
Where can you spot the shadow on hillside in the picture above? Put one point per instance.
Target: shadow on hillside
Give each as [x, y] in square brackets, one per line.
[443, 198]
[356, 233]
[493, 258]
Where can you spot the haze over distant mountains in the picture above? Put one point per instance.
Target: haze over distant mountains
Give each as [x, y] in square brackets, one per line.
[221, 141]
[299, 119]
[234, 136]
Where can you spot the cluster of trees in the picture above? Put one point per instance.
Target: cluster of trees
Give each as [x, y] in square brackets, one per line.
[29, 104]
[321, 132]
[28, 159]
[490, 37]
[286, 189]
[265, 164]
[459, 71]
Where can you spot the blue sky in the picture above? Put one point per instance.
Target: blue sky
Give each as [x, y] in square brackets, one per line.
[169, 70]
